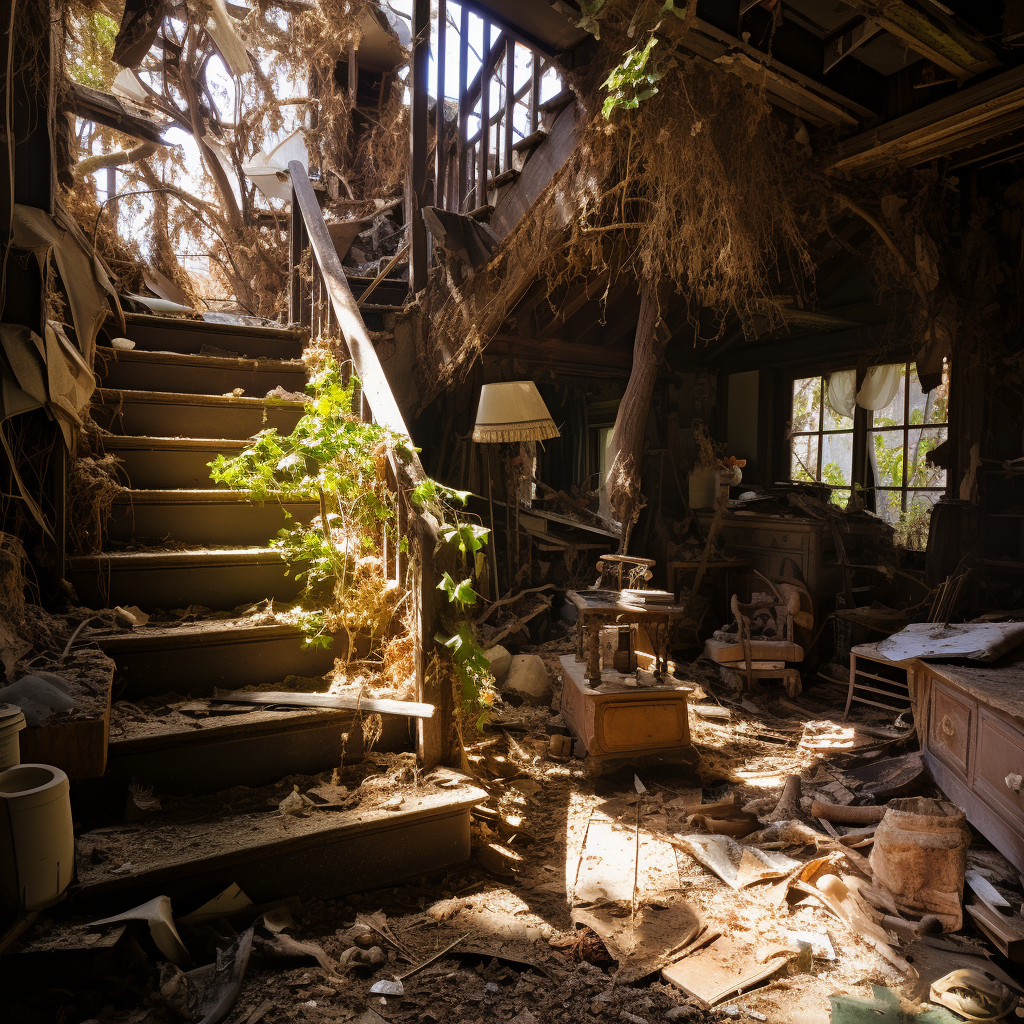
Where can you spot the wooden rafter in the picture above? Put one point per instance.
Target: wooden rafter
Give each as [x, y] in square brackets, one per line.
[931, 34]
[848, 39]
[971, 117]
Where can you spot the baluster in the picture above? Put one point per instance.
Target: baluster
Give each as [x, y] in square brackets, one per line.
[485, 118]
[441, 131]
[463, 111]
[510, 99]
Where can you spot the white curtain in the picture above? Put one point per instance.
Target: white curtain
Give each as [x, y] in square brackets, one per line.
[879, 388]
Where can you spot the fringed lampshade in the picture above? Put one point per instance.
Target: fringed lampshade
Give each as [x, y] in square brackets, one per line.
[512, 412]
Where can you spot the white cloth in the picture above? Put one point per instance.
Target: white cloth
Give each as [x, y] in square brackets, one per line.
[879, 388]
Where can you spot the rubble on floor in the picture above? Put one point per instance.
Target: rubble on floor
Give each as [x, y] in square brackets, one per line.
[741, 890]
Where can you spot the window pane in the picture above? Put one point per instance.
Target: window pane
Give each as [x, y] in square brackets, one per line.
[803, 463]
[887, 505]
[922, 441]
[892, 414]
[837, 459]
[913, 525]
[887, 457]
[806, 404]
[932, 407]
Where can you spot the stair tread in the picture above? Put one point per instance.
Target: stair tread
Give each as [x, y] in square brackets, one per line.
[114, 395]
[145, 441]
[195, 359]
[174, 728]
[177, 323]
[131, 856]
[191, 633]
[155, 558]
[197, 495]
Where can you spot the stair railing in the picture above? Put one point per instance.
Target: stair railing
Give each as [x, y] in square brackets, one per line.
[321, 299]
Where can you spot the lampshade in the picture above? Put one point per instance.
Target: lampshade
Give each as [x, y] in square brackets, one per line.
[512, 412]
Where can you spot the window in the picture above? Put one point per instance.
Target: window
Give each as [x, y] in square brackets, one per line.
[894, 439]
[822, 439]
[901, 435]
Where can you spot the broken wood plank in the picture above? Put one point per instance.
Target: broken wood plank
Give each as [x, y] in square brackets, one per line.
[847, 41]
[1006, 931]
[931, 34]
[380, 706]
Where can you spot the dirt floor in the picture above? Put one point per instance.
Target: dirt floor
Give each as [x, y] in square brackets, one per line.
[579, 891]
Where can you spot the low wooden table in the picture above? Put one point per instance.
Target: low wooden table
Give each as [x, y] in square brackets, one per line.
[606, 606]
[620, 723]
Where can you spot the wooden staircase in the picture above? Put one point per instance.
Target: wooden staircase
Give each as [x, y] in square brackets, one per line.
[187, 392]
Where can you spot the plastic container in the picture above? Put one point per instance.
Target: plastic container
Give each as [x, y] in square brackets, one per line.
[12, 721]
[37, 844]
[920, 855]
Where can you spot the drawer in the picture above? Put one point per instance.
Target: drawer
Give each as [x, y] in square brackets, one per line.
[949, 727]
[1000, 753]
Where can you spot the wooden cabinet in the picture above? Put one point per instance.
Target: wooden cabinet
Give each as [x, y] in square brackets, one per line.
[972, 724]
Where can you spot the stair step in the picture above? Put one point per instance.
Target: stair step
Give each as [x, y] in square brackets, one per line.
[178, 753]
[170, 334]
[201, 517]
[170, 414]
[531, 141]
[219, 579]
[273, 856]
[166, 462]
[391, 290]
[196, 658]
[186, 373]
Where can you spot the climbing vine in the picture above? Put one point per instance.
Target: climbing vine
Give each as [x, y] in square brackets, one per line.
[335, 458]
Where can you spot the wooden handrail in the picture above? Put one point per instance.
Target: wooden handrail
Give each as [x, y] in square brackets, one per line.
[436, 740]
[365, 361]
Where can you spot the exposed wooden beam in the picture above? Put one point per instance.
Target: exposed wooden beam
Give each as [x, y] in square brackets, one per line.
[586, 359]
[972, 116]
[932, 34]
[463, 111]
[847, 40]
[785, 87]
[102, 108]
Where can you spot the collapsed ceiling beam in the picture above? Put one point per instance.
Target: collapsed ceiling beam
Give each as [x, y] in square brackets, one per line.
[785, 87]
[109, 111]
[971, 117]
[847, 40]
[931, 34]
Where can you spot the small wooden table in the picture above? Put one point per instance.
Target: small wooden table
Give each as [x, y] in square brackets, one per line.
[606, 606]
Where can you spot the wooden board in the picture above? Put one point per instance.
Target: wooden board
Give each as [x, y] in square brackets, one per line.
[726, 967]
[1005, 930]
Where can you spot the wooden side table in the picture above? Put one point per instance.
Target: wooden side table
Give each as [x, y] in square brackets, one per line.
[606, 606]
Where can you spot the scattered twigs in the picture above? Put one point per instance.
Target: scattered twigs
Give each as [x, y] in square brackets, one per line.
[509, 599]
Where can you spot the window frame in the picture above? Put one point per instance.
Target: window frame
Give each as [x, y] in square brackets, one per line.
[862, 433]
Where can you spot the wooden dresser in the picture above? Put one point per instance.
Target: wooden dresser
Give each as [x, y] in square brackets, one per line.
[972, 732]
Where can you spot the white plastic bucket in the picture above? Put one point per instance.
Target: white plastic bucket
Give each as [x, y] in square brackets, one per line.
[12, 721]
[37, 843]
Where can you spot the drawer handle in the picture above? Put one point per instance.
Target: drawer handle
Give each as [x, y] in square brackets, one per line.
[1014, 782]
[947, 726]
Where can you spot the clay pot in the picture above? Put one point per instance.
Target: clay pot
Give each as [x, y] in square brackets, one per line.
[920, 855]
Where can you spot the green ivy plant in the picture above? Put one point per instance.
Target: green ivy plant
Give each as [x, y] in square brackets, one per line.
[335, 458]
